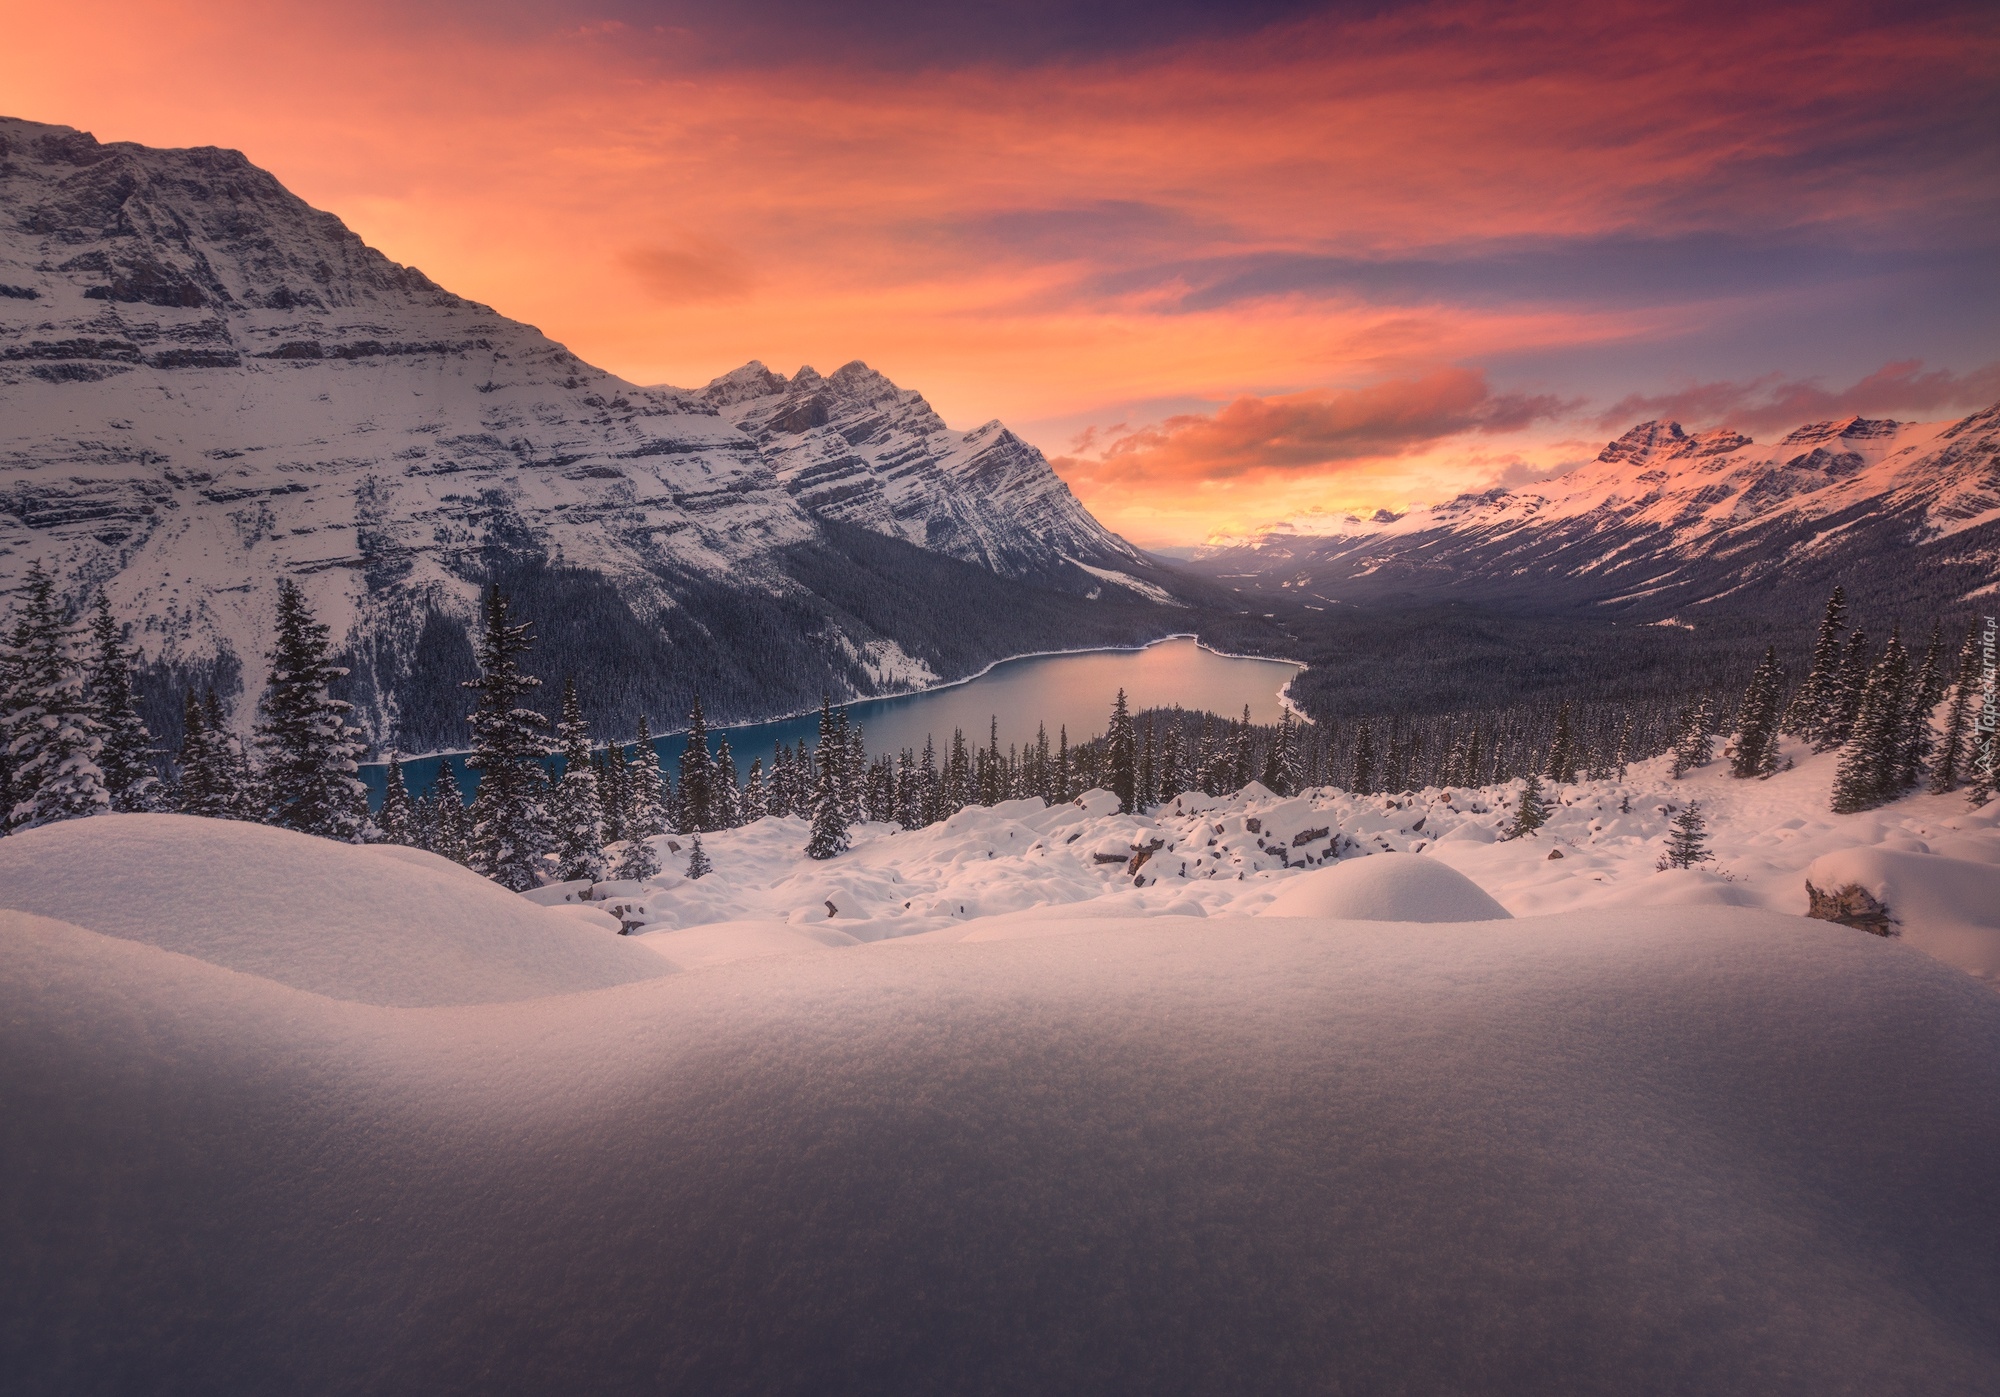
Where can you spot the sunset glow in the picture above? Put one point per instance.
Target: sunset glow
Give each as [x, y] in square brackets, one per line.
[1220, 270]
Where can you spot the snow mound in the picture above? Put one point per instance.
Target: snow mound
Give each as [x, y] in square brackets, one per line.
[1386, 888]
[372, 924]
[1947, 907]
[1646, 1152]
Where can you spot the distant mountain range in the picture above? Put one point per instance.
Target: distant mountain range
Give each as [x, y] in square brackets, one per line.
[1667, 525]
[206, 385]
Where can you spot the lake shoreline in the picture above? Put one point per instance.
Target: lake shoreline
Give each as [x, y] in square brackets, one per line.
[1284, 697]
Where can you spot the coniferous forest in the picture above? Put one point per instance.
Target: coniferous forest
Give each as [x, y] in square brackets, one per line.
[555, 802]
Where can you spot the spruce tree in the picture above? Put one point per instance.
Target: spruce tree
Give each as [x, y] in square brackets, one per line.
[1754, 753]
[1845, 707]
[53, 737]
[1562, 751]
[828, 834]
[930, 802]
[1173, 777]
[201, 784]
[853, 770]
[1687, 841]
[396, 821]
[698, 865]
[646, 797]
[1694, 743]
[309, 754]
[510, 820]
[246, 801]
[576, 810]
[1123, 754]
[1918, 740]
[127, 756]
[449, 819]
[1948, 757]
[1062, 784]
[614, 792]
[1364, 760]
[724, 804]
[697, 806]
[1815, 709]
[1871, 761]
[1533, 812]
[751, 807]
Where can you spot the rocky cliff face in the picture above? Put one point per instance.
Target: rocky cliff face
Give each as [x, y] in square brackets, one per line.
[1665, 524]
[205, 385]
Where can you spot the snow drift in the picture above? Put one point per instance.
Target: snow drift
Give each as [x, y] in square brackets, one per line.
[1666, 1151]
[1948, 907]
[378, 924]
[1386, 888]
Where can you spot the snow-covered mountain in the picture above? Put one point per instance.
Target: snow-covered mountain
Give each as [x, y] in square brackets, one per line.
[207, 384]
[1663, 520]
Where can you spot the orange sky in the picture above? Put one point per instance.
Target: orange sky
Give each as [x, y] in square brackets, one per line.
[1342, 258]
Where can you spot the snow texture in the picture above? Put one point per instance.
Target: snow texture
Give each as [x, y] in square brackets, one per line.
[1633, 1152]
[371, 924]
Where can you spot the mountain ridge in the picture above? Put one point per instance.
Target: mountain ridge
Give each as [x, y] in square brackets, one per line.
[209, 384]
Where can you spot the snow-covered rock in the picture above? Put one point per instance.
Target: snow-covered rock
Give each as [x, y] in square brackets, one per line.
[1386, 888]
[1949, 907]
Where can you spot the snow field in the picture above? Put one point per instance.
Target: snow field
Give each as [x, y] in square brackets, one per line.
[1625, 1152]
[1236, 854]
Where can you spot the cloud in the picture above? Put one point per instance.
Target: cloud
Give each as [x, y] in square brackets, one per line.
[1771, 402]
[1312, 433]
[691, 271]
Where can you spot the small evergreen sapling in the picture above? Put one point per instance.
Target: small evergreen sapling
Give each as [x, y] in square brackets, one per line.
[1687, 841]
[1533, 812]
[698, 865]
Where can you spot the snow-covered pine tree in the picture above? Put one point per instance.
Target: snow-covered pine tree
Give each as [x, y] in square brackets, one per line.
[698, 865]
[958, 787]
[853, 770]
[1062, 780]
[645, 794]
[1624, 755]
[1533, 811]
[576, 811]
[1149, 768]
[1871, 761]
[309, 755]
[1242, 762]
[510, 819]
[1927, 687]
[638, 861]
[53, 737]
[697, 803]
[448, 818]
[1122, 752]
[1754, 751]
[396, 821]
[1687, 841]
[929, 794]
[1364, 760]
[828, 834]
[755, 794]
[724, 802]
[1855, 668]
[614, 792]
[246, 798]
[1173, 778]
[127, 757]
[1816, 706]
[1948, 756]
[1694, 740]
[203, 784]
[1561, 766]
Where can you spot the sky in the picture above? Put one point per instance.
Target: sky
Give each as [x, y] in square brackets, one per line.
[1224, 263]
